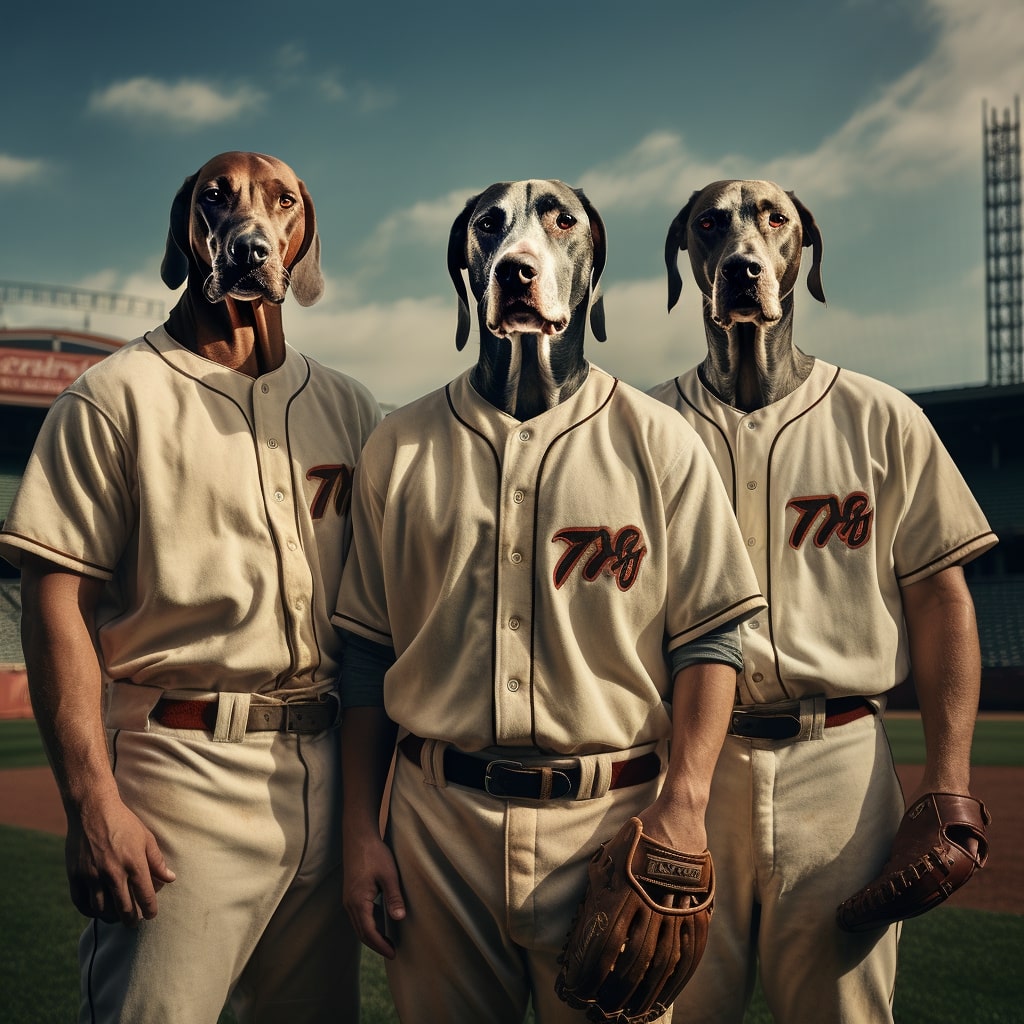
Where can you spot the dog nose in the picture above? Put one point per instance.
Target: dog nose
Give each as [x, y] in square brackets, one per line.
[251, 248]
[740, 268]
[515, 272]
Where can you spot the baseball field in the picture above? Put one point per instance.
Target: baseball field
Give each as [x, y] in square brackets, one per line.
[959, 964]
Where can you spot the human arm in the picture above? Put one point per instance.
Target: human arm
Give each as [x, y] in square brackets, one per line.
[946, 664]
[702, 701]
[114, 864]
[367, 744]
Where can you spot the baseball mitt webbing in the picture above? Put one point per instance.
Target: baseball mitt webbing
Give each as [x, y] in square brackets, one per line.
[940, 843]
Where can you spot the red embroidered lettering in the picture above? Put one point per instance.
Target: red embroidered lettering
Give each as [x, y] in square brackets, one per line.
[620, 555]
[336, 481]
[849, 520]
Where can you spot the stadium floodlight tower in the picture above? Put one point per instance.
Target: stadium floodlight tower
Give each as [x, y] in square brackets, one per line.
[1003, 246]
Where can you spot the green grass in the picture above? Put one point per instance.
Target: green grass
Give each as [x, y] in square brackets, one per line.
[20, 745]
[997, 741]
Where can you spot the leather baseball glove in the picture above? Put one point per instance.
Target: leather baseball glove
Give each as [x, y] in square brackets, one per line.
[640, 931]
[940, 843]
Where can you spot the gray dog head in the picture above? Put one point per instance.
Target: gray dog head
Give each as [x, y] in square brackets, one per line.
[744, 240]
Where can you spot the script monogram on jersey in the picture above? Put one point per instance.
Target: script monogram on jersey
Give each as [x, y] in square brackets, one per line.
[336, 483]
[848, 519]
[620, 555]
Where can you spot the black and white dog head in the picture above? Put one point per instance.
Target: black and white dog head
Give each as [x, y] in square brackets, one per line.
[534, 251]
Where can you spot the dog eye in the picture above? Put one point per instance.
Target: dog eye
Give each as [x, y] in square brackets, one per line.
[706, 223]
[776, 220]
[211, 195]
[565, 221]
[287, 201]
[488, 223]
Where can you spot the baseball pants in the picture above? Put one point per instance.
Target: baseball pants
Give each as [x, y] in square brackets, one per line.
[795, 828]
[252, 831]
[491, 888]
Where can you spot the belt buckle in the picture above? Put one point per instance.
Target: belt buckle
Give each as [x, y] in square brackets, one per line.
[788, 726]
[303, 716]
[561, 784]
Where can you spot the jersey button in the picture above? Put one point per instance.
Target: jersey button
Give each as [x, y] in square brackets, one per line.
[513, 685]
[751, 485]
[518, 497]
[513, 623]
[279, 495]
[758, 677]
[750, 425]
[516, 557]
[265, 388]
[751, 542]
[754, 624]
[524, 435]
[272, 443]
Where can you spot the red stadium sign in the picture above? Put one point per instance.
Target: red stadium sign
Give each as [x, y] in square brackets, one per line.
[41, 374]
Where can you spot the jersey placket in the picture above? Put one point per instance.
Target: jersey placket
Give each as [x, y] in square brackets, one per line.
[513, 606]
[753, 440]
[280, 494]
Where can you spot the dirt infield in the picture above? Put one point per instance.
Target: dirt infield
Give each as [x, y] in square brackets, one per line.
[28, 799]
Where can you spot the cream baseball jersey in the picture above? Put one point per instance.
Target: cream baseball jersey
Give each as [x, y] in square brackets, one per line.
[216, 505]
[530, 575]
[844, 494]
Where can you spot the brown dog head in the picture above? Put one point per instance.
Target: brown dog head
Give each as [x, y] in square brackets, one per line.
[534, 251]
[246, 224]
[744, 240]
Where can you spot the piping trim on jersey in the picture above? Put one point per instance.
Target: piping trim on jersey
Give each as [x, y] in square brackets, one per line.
[496, 556]
[951, 553]
[38, 546]
[725, 437]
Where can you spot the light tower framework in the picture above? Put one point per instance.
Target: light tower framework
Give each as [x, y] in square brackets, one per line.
[1003, 246]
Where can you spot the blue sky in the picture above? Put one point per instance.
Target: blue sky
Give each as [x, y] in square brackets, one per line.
[394, 113]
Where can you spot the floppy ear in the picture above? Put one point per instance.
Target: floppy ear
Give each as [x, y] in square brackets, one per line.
[307, 281]
[174, 266]
[456, 264]
[812, 237]
[600, 240]
[675, 240]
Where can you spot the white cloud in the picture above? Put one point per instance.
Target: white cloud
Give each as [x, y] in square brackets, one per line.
[188, 103]
[399, 350]
[924, 126]
[427, 222]
[16, 170]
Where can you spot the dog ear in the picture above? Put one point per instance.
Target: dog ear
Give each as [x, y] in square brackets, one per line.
[599, 237]
[174, 266]
[675, 241]
[305, 276]
[456, 264]
[812, 237]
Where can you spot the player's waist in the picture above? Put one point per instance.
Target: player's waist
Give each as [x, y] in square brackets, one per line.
[534, 778]
[801, 719]
[228, 716]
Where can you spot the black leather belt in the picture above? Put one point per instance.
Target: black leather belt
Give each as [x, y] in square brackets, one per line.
[785, 725]
[513, 780]
[301, 716]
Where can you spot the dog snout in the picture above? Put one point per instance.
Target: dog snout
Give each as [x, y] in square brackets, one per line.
[515, 274]
[251, 249]
[739, 270]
